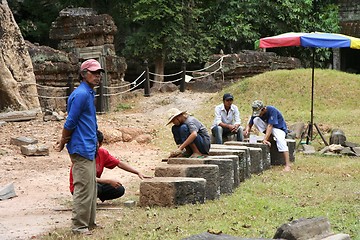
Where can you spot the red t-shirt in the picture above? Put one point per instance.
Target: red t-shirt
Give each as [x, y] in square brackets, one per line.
[103, 159]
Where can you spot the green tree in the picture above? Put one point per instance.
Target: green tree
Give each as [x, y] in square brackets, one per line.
[238, 24]
[190, 30]
[169, 30]
[34, 18]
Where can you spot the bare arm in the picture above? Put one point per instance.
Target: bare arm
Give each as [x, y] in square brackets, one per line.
[189, 140]
[129, 168]
[247, 130]
[65, 138]
[268, 132]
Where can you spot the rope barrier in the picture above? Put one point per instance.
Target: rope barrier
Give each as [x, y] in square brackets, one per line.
[115, 94]
[207, 74]
[42, 86]
[176, 80]
[40, 96]
[122, 86]
[201, 70]
[220, 61]
[168, 75]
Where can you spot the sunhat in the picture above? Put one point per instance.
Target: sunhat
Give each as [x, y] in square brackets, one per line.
[172, 113]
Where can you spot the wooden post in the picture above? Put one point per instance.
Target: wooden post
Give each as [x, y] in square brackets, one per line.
[147, 80]
[70, 85]
[100, 102]
[182, 83]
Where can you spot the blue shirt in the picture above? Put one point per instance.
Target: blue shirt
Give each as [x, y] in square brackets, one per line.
[274, 117]
[81, 120]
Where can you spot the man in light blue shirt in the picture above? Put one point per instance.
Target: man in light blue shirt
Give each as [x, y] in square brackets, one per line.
[227, 120]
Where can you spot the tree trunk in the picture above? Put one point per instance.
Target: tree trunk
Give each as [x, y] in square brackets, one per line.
[159, 69]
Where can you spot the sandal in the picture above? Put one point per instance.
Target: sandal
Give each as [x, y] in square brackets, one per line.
[196, 155]
[186, 155]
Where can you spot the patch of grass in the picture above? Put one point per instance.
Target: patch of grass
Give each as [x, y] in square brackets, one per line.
[122, 106]
[319, 186]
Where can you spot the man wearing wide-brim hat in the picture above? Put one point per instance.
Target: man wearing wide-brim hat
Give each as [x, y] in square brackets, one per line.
[271, 122]
[190, 135]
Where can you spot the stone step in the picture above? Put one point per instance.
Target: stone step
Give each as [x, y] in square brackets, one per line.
[171, 191]
[208, 172]
[256, 157]
[277, 158]
[226, 170]
[236, 167]
[266, 158]
[244, 160]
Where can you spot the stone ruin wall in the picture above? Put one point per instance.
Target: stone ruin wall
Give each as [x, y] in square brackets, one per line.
[350, 17]
[81, 34]
[52, 69]
[247, 63]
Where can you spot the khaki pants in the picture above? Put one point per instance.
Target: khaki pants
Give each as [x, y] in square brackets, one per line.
[84, 197]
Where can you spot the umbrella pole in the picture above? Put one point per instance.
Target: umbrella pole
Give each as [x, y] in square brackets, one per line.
[311, 123]
[312, 93]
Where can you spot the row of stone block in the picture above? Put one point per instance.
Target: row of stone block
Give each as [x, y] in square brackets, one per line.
[227, 166]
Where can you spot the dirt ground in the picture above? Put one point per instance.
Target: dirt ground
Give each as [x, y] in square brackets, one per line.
[41, 183]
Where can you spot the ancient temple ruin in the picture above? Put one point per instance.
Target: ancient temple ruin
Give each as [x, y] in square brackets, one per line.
[80, 31]
[81, 34]
[347, 59]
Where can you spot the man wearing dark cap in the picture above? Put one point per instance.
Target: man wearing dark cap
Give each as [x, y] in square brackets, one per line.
[269, 120]
[227, 120]
[79, 135]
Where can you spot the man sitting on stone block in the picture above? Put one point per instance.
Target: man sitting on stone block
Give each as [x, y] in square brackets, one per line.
[108, 189]
[227, 120]
[190, 135]
[269, 120]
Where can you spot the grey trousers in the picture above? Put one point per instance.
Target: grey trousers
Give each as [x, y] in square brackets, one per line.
[84, 197]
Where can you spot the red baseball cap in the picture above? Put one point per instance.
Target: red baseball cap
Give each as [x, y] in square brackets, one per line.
[91, 65]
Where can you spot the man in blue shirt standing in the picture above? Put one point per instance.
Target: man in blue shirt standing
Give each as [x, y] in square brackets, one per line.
[79, 135]
[270, 121]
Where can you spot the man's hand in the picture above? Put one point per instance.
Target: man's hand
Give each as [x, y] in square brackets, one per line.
[60, 144]
[142, 176]
[246, 132]
[175, 153]
[114, 183]
[234, 128]
[267, 142]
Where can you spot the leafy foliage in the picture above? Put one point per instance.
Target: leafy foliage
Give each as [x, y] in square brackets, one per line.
[169, 29]
[190, 29]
